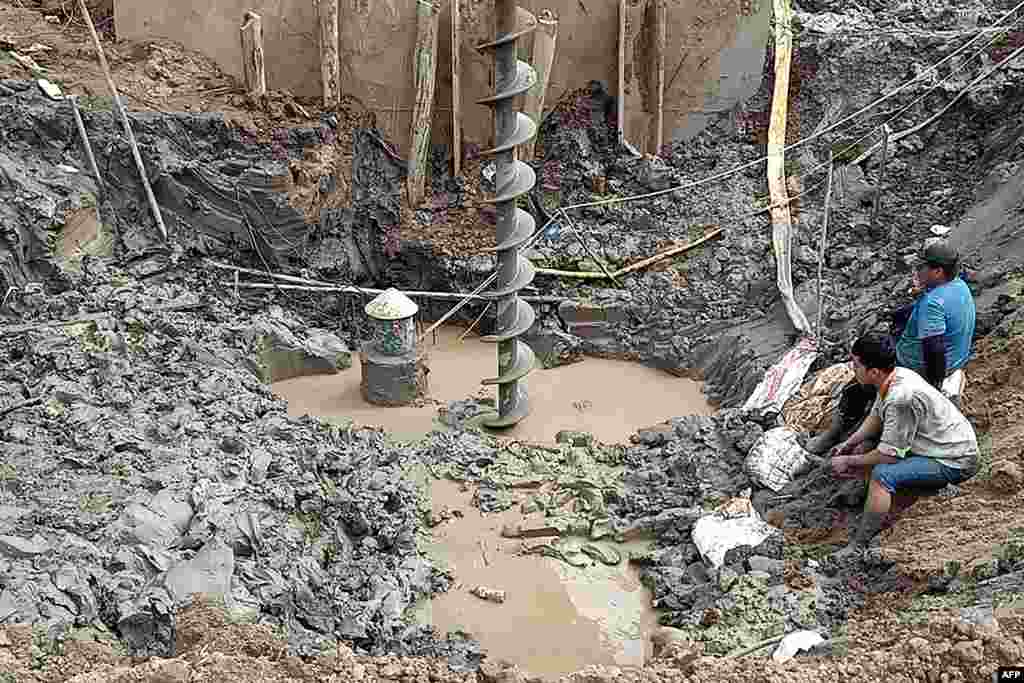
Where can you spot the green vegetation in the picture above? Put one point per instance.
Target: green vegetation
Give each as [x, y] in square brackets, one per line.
[94, 103]
[96, 504]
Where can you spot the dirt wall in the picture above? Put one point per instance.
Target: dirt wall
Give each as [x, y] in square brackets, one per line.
[714, 56]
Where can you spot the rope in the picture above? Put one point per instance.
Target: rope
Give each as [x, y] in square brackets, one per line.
[738, 169]
[483, 285]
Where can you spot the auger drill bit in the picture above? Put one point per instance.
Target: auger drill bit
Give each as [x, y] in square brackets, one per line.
[513, 179]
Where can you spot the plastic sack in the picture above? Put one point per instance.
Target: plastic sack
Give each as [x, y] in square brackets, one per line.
[776, 458]
[798, 641]
[734, 524]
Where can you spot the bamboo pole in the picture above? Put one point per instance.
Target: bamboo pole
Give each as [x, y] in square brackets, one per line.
[330, 63]
[881, 178]
[424, 65]
[542, 59]
[782, 219]
[101, 187]
[456, 89]
[254, 72]
[670, 252]
[659, 38]
[594, 275]
[124, 120]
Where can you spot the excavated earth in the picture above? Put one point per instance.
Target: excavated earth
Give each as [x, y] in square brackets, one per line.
[145, 460]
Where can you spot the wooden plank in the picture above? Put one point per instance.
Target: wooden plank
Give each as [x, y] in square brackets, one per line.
[330, 62]
[782, 219]
[254, 73]
[424, 74]
[658, 13]
[456, 89]
[542, 59]
[636, 116]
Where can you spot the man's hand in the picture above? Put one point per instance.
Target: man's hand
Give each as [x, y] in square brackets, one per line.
[842, 449]
[840, 465]
[915, 285]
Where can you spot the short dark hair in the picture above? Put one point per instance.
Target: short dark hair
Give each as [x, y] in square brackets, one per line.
[876, 351]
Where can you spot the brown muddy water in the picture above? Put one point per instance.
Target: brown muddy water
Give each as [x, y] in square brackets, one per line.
[556, 618]
[607, 398]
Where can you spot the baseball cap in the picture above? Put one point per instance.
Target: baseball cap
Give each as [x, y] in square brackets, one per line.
[939, 254]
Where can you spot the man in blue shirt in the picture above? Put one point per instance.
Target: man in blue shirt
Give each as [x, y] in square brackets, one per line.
[934, 335]
[938, 327]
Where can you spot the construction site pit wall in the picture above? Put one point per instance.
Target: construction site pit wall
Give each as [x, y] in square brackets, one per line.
[714, 53]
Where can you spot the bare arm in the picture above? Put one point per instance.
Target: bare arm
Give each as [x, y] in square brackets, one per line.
[870, 427]
[874, 457]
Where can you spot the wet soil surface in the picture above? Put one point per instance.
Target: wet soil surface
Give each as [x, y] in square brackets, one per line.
[607, 398]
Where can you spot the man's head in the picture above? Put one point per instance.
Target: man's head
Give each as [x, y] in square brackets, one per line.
[937, 265]
[873, 357]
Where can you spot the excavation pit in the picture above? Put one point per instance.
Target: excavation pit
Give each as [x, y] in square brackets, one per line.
[534, 609]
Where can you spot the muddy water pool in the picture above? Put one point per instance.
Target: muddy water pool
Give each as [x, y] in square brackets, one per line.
[608, 398]
[556, 617]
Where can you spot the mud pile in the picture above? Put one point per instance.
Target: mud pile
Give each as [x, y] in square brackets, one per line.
[222, 193]
[144, 461]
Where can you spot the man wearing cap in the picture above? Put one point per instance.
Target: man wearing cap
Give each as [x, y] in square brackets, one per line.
[937, 329]
[934, 335]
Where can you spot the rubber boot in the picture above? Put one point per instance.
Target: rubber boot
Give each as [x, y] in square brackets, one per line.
[821, 443]
[871, 524]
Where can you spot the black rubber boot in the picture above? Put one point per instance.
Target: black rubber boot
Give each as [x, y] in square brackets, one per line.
[871, 524]
[821, 443]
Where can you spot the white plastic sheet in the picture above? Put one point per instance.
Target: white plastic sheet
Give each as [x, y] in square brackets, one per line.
[734, 524]
[784, 378]
[795, 642]
[776, 458]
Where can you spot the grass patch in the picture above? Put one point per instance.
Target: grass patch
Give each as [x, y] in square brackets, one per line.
[96, 504]
[986, 450]
[94, 103]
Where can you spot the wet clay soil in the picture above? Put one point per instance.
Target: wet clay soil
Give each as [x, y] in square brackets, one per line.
[555, 618]
[608, 398]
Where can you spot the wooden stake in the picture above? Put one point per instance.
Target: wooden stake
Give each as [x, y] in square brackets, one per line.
[254, 72]
[621, 91]
[782, 220]
[659, 39]
[330, 63]
[424, 68]
[153, 206]
[456, 89]
[542, 59]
